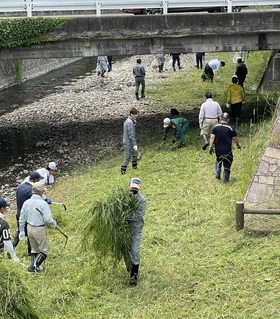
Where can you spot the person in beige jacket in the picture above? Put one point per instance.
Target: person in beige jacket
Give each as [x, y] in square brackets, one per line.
[235, 99]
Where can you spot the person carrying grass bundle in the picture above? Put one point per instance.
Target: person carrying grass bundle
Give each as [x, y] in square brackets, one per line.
[136, 223]
[180, 125]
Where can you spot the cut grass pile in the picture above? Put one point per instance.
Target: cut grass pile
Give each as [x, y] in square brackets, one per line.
[194, 263]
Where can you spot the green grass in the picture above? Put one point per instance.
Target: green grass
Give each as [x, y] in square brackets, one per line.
[194, 263]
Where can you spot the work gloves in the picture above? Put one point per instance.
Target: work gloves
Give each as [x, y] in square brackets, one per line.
[228, 106]
[211, 150]
[21, 235]
[135, 148]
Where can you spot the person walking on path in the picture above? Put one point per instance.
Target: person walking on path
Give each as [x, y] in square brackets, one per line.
[129, 141]
[180, 125]
[221, 137]
[139, 75]
[176, 58]
[212, 65]
[199, 56]
[5, 233]
[109, 60]
[23, 193]
[241, 71]
[37, 214]
[136, 223]
[209, 114]
[235, 99]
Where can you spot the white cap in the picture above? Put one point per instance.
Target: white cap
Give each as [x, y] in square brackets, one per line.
[52, 165]
[135, 183]
[166, 122]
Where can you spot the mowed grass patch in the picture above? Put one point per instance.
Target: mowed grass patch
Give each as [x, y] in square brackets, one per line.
[194, 264]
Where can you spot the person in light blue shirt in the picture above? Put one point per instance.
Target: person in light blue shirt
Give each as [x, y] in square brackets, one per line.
[37, 214]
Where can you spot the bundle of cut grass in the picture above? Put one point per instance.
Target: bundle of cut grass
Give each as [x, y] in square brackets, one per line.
[16, 301]
[107, 233]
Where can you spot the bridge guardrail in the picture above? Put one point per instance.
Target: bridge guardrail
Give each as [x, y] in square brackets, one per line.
[30, 6]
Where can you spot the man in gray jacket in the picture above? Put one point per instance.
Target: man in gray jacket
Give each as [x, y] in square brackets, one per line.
[139, 74]
[136, 224]
[129, 141]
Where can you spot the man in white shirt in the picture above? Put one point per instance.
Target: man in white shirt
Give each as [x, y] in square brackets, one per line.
[211, 66]
[209, 114]
[48, 173]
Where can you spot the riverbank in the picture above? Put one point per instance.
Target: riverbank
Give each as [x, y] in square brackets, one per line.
[80, 124]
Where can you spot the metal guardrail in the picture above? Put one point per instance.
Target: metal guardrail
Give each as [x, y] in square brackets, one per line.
[30, 6]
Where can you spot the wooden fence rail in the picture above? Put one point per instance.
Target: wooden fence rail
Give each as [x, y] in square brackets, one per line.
[241, 211]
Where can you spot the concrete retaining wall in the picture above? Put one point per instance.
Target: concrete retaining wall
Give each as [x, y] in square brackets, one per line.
[30, 69]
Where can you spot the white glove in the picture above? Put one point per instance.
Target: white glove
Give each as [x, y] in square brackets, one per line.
[21, 235]
[15, 259]
[218, 77]
[227, 105]
[135, 148]
[53, 224]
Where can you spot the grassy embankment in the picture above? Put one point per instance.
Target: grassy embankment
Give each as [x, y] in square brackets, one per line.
[194, 263]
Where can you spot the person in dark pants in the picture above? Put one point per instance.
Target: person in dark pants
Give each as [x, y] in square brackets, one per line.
[212, 65]
[241, 71]
[199, 56]
[235, 99]
[136, 223]
[139, 75]
[176, 58]
[24, 192]
[109, 59]
[221, 137]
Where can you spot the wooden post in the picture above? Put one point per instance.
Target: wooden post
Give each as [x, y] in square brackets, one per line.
[239, 215]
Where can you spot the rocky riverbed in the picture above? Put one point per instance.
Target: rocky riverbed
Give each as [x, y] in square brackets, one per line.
[79, 124]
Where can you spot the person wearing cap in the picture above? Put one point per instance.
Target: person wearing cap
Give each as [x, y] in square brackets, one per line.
[209, 114]
[48, 173]
[129, 141]
[180, 125]
[221, 138]
[136, 223]
[235, 99]
[23, 193]
[37, 214]
[5, 232]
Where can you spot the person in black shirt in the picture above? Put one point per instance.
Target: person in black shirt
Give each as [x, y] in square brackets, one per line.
[221, 137]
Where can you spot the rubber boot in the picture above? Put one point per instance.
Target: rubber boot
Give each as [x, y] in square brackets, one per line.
[236, 121]
[123, 169]
[226, 175]
[134, 165]
[134, 275]
[218, 171]
[206, 143]
[38, 260]
[142, 95]
[137, 96]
